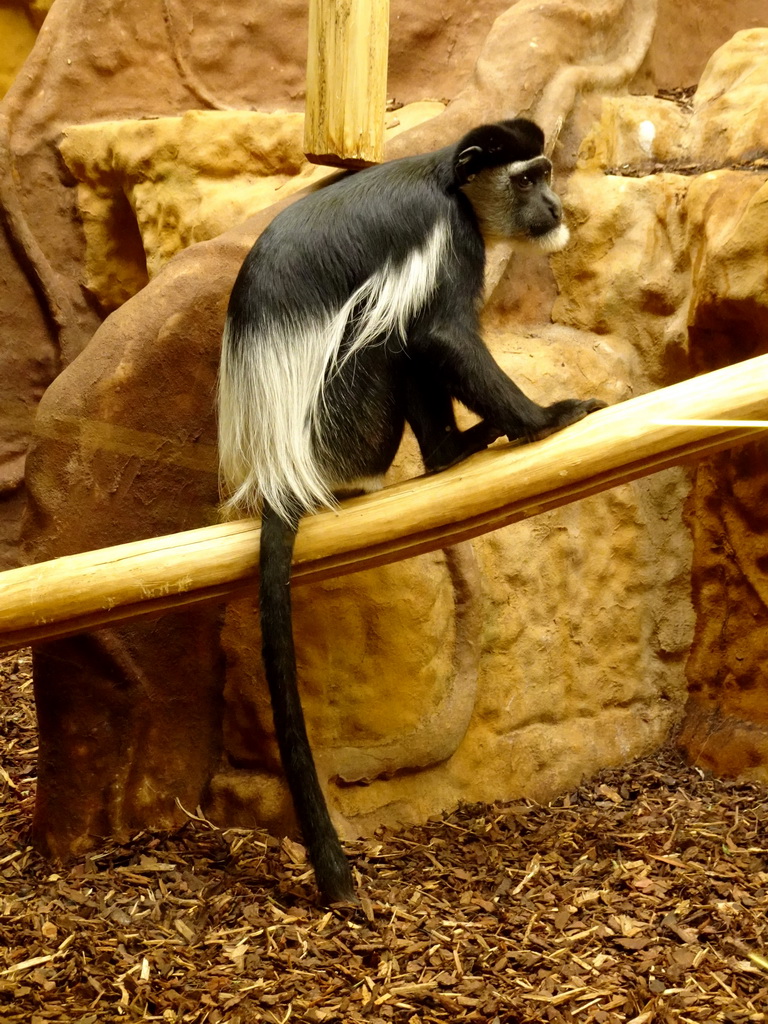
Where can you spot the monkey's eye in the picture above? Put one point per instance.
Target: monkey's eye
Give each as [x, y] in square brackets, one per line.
[523, 182]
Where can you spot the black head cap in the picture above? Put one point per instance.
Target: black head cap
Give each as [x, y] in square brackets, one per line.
[492, 145]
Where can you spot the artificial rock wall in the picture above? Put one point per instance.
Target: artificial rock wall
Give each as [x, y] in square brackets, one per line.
[514, 665]
[682, 188]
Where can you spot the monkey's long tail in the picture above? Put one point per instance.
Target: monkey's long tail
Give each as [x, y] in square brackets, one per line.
[332, 871]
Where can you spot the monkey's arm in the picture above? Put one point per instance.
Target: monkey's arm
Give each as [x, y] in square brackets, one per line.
[469, 372]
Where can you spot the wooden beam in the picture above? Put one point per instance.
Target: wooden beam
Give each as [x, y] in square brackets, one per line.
[346, 82]
[493, 489]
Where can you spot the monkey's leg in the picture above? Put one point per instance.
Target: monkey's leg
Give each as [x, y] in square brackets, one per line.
[429, 410]
[332, 871]
[473, 376]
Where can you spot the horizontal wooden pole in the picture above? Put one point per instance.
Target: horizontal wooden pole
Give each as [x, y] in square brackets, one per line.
[493, 489]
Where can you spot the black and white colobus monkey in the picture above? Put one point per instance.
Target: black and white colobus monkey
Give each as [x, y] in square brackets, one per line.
[355, 312]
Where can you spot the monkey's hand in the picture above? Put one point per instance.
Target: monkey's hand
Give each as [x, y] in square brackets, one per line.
[564, 413]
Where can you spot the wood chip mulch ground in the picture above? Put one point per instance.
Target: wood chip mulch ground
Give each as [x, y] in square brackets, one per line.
[640, 897]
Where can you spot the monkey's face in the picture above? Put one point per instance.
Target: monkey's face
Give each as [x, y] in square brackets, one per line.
[516, 201]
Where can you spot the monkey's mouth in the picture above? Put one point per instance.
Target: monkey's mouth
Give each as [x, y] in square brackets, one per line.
[553, 240]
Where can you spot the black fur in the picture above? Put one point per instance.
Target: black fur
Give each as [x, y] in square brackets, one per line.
[331, 866]
[493, 145]
[307, 264]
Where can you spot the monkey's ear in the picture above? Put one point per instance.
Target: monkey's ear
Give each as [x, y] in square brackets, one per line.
[491, 145]
[467, 163]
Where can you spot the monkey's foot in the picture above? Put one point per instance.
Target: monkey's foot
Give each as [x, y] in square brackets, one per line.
[460, 444]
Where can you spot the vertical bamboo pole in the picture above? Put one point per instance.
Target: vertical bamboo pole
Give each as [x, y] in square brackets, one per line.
[346, 82]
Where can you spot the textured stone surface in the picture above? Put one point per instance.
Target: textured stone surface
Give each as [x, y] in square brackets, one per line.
[683, 272]
[565, 649]
[687, 34]
[97, 60]
[725, 728]
[556, 668]
[130, 719]
[102, 61]
[17, 37]
[148, 189]
[627, 272]
[728, 121]
[728, 217]
[634, 133]
[726, 723]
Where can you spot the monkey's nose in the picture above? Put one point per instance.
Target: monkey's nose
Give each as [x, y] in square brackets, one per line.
[555, 207]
